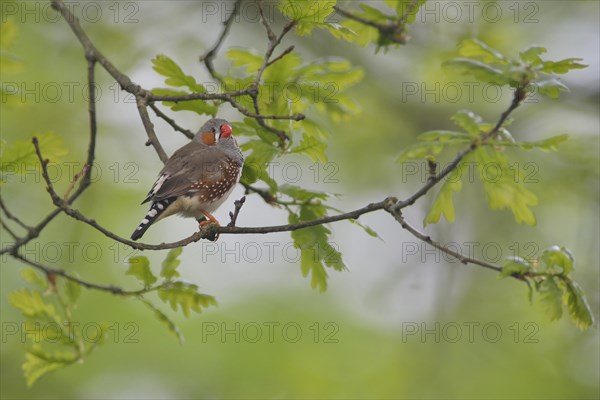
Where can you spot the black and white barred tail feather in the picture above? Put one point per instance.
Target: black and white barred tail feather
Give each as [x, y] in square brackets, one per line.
[153, 215]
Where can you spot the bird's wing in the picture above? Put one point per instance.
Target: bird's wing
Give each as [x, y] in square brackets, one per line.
[190, 164]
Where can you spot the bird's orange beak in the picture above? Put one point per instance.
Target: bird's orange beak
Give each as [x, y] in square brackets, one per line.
[226, 130]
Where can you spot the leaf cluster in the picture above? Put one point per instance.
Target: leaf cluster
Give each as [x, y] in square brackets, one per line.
[53, 339]
[550, 276]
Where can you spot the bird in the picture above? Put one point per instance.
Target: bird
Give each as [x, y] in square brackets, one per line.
[197, 178]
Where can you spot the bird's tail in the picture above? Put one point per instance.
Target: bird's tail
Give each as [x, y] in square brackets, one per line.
[153, 215]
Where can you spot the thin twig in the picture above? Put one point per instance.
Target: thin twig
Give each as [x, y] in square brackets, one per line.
[11, 216]
[76, 177]
[91, 51]
[149, 127]
[279, 57]
[33, 233]
[518, 97]
[210, 55]
[189, 134]
[356, 18]
[427, 239]
[273, 43]
[266, 23]
[49, 271]
[91, 78]
[238, 206]
[92, 56]
[197, 96]
[7, 229]
[264, 193]
[393, 30]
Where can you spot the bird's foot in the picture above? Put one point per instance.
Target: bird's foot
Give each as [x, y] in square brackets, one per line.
[213, 236]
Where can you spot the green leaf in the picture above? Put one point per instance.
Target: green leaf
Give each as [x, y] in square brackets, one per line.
[311, 147]
[9, 62]
[316, 252]
[477, 70]
[31, 305]
[20, 156]
[469, 121]
[162, 317]
[185, 296]
[419, 151]
[515, 266]
[170, 264]
[35, 367]
[504, 187]
[531, 56]
[370, 231]
[477, 50]
[363, 34]
[406, 8]
[443, 204]
[72, 290]
[139, 267]
[577, 305]
[551, 296]
[308, 14]
[450, 137]
[301, 194]
[255, 166]
[374, 14]
[551, 88]
[251, 128]
[52, 332]
[279, 76]
[550, 144]
[175, 76]
[8, 34]
[330, 70]
[562, 66]
[339, 31]
[247, 59]
[560, 257]
[31, 276]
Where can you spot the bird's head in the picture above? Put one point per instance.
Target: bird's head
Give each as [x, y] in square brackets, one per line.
[213, 131]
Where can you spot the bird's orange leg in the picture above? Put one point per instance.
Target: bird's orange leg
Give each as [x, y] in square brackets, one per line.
[210, 219]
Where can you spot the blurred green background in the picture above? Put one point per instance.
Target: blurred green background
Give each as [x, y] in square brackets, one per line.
[404, 322]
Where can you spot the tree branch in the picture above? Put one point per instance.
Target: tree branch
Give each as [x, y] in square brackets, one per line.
[394, 31]
[92, 57]
[427, 239]
[7, 229]
[149, 127]
[145, 99]
[49, 271]
[92, 52]
[279, 57]
[210, 55]
[273, 43]
[518, 97]
[189, 134]
[11, 216]
[238, 206]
